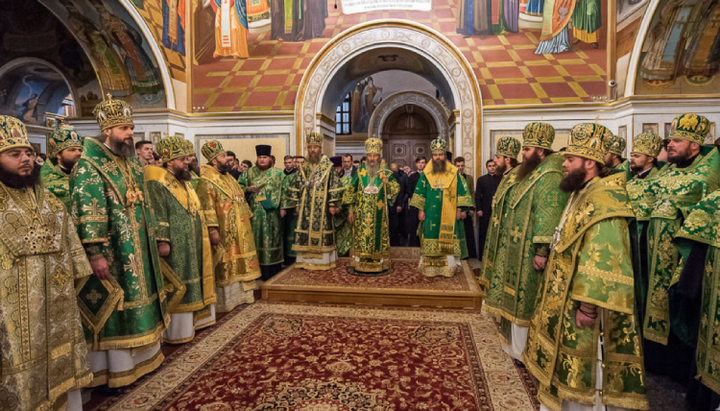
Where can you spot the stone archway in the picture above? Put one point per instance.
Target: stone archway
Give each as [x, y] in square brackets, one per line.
[440, 113]
[421, 40]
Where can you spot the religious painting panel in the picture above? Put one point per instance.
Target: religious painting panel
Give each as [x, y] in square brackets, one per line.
[251, 55]
[681, 51]
[167, 19]
[651, 128]
[120, 54]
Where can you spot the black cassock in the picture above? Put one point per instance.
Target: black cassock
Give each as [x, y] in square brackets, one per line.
[484, 192]
[411, 219]
[397, 223]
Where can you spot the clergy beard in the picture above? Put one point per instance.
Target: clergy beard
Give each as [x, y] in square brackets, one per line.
[314, 157]
[122, 148]
[679, 156]
[194, 166]
[372, 169]
[439, 166]
[262, 168]
[14, 180]
[67, 166]
[500, 169]
[527, 166]
[224, 168]
[574, 181]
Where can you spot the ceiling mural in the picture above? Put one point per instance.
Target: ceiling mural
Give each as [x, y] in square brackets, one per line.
[681, 51]
[252, 56]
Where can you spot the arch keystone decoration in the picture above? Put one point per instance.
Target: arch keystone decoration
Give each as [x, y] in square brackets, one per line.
[423, 41]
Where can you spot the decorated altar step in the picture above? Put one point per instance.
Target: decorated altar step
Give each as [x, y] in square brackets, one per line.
[403, 285]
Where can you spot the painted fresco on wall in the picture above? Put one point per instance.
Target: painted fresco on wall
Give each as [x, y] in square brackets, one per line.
[42, 62]
[629, 10]
[122, 59]
[167, 19]
[681, 52]
[247, 63]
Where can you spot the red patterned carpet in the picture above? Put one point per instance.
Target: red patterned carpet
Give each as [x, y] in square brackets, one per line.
[324, 358]
[404, 276]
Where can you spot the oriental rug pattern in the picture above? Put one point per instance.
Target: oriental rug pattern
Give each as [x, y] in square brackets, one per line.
[405, 277]
[297, 357]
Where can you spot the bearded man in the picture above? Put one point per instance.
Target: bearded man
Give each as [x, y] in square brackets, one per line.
[614, 160]
[183, 242]
[692, 172]
[368, 195]
[43, 351]
[583, 344]
[519, 245]
[316, 192]
[65, 151]
[644, 167]
[442, 198]
[123, 304]
[264, 183]
[194, 165]
[287, 211]
[228, 217]
[343, 227]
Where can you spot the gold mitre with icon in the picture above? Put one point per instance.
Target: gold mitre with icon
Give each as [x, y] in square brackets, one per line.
[111, 113]
[314, 139]
[540, 135]
[618, 145]
[647, 143]
[692, 127]
[211, 150]
[13, 134]
[590, 140]
[64, 137]
[508, 147]
[438, 146]
[373, 146]
[170, 148]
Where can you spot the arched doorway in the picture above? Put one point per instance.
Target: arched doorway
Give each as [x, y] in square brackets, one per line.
[387, 45]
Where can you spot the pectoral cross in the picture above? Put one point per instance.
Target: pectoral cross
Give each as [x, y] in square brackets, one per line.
[438, 184]
[515, 234]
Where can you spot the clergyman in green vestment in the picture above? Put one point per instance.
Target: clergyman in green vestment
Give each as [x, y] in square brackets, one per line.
[643, 166]
[583, 344]
[343, 227]
[194, 165]
[698, 242]
[65, 149]
[183, 242]
[264, 183]
[371, 190]
[442, 198]
[692, 172]
[123, 305]
[316, 192]
[528, 213]
[614, 160]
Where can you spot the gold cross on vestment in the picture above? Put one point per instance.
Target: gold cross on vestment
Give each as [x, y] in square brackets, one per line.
[93, 209]
[515, 234]
[93, 296]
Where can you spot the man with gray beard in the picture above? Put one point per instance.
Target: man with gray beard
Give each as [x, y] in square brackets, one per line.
[316, 193]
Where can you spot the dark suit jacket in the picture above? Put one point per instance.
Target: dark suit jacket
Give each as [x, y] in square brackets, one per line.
[410, 184]
[402, 197]
[484, 192]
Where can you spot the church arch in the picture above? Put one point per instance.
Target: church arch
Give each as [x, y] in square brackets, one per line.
[419, 39]
[439, 113]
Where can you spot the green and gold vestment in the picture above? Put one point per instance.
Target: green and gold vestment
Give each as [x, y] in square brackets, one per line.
[181, 223]
[113, 219]
[529, 211]
[290, 221]
[42, 346]
[223, 202]
[498, 224]
[672, 194]
[56, 181]
[315, 188]
[703, 226]
[589, 262]
[440, 196]
[265, 206]
[343, 228]
[368, 199]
